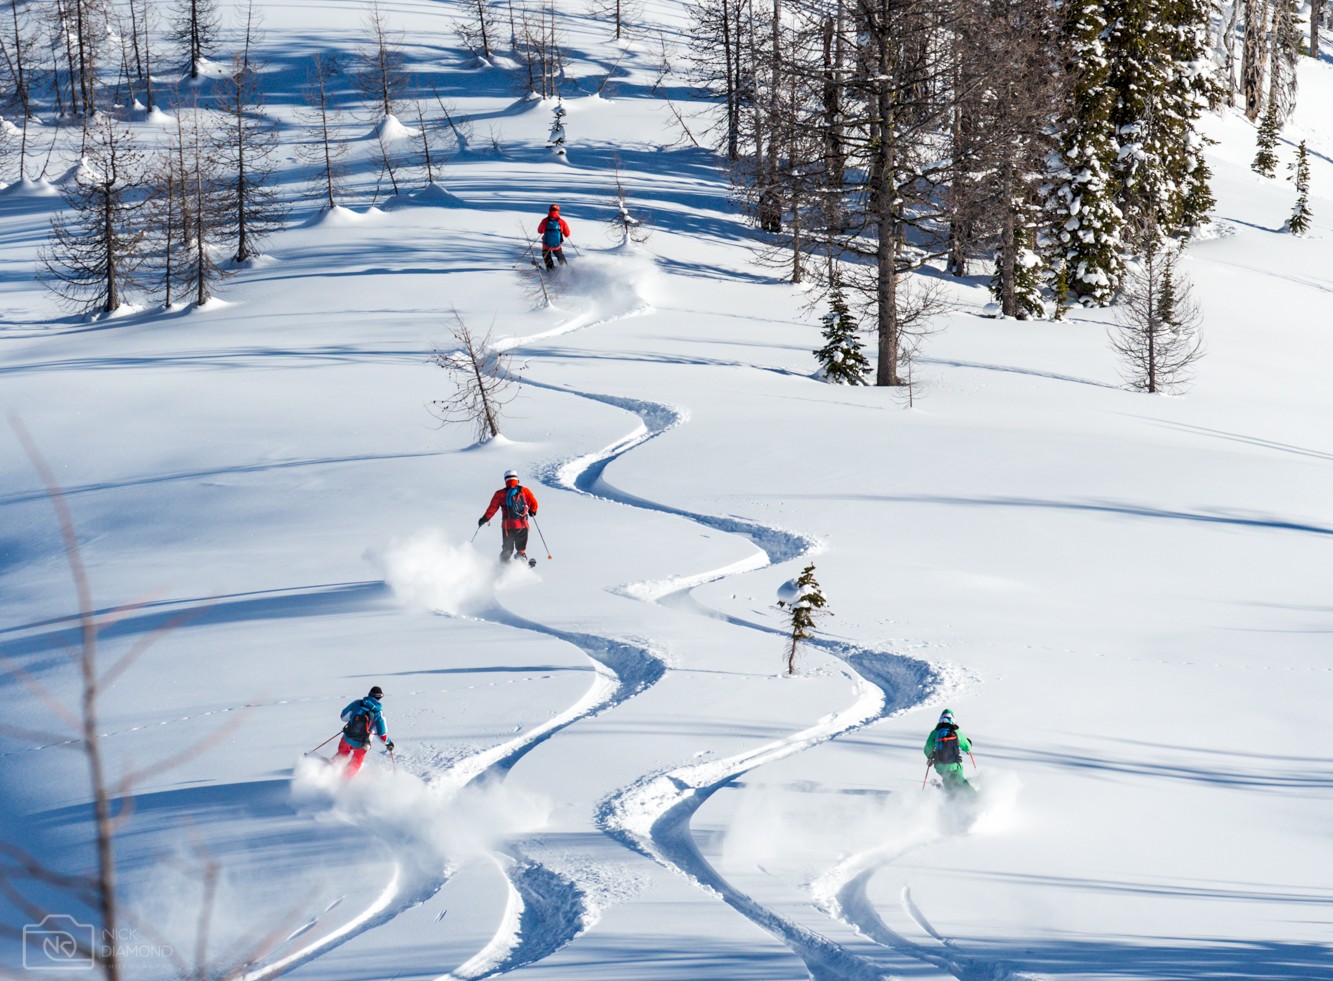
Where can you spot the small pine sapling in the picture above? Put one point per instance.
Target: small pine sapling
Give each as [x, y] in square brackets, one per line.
[1299, 222]
[1060, 291]
[841, 358]
[1265, 158]
[803, 600]
[556, 141]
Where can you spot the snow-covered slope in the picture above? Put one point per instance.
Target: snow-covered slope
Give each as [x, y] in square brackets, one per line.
[601, 772]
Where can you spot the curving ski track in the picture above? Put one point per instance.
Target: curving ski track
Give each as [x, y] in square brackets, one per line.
[653, 816]
[546, 910]
[842, 894]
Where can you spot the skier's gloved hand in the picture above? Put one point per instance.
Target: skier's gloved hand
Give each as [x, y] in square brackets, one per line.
[388, 744]
[480, 522]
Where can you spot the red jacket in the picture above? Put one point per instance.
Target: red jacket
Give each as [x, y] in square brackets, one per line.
[541, 230]
[497, 502]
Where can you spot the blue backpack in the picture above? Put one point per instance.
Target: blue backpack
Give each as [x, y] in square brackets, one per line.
[552, 237]
[516, 505]
[946, 746]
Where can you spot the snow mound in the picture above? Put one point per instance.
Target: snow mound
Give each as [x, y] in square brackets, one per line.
[340, 217]
[390, 128]
[28, 188]
[791, 592]
[71, 176]
[431, 196]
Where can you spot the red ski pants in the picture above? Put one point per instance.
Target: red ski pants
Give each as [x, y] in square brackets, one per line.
[356, 754]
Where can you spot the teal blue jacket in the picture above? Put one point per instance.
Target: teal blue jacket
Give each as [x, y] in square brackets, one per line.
[377, 726]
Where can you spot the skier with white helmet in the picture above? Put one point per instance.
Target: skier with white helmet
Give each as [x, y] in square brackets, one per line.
[518, 504]
[945, 747]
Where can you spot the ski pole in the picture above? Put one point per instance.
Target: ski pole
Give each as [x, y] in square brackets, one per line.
[973, 758]
[926, 777]
[474, 535]
[326, 742]
[394, 760]
[541, 536]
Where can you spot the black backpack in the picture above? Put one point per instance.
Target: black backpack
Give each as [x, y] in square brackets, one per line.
[516, 504]
[358, 727]
[946, 745]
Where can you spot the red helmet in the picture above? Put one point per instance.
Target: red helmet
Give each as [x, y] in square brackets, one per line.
[554, 209]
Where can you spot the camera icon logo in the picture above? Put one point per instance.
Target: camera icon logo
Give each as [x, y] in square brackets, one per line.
[58, 943]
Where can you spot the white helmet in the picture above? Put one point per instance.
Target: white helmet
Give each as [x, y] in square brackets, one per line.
[511, 475]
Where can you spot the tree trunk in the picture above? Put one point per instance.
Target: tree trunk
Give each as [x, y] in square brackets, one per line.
[109, 239]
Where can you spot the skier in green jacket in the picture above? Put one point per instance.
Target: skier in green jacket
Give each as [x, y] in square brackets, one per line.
[945, 747]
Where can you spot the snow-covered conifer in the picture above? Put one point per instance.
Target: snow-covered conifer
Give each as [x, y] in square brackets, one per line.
[1299, 222]
[1265, 157]
[804, 600]
[841, 358]
[1139, 75]
[556, 141]
[1085, 223]
[1191, 88]
[1026, 276]
[1157, 52]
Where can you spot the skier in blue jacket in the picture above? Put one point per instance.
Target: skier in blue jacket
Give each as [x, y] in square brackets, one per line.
[362, 721]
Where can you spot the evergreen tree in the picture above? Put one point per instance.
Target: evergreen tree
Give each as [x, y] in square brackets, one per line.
[1192, 87]
[1027, 277]
[1265, 158]
[1158, 56]
[841, 357]
[1138, 76]
[807, 601]
[1059, 280]
[1085, 224]
[1299, 222]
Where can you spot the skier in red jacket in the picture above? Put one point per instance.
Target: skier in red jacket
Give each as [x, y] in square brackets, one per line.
[554, 230]
[518, 504]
